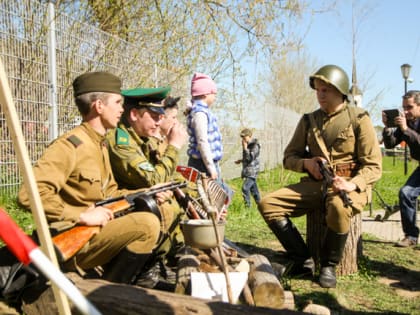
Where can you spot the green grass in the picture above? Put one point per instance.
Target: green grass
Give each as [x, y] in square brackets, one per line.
[373, 290]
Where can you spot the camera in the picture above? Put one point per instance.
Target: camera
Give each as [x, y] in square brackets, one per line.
[391, 114]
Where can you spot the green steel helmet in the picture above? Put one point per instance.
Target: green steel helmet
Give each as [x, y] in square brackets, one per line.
[333, 75]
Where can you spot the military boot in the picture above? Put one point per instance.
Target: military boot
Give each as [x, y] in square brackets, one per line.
[290, 238]
[331, 253]
[125, 267]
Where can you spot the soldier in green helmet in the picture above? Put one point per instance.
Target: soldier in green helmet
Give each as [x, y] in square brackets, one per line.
[137, 163]
[343, 137]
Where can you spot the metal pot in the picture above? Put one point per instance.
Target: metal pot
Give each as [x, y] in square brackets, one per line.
[201, 233]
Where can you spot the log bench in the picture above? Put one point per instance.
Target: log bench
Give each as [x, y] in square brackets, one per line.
[120, 299]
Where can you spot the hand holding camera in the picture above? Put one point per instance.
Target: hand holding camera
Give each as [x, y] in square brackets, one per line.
[389, 117]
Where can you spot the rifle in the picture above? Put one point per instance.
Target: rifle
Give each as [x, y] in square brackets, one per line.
[68, 243]
[329, 175]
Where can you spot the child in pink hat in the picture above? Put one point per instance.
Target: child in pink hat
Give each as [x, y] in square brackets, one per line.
[205, 148]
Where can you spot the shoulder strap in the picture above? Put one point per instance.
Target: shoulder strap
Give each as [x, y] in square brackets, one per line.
[74, 140]
[317, 134]
[122, 137]
[355, 113]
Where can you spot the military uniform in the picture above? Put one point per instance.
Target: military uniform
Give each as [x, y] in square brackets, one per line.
[357, 151]
[344, 136]
[137, 162]
[74, 173]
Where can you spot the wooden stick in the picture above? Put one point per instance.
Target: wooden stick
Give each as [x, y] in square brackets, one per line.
[212, 214]
[246, 292]
[25, 166]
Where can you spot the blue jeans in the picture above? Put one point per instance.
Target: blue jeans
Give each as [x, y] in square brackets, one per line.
[249, 186]
[408, 196]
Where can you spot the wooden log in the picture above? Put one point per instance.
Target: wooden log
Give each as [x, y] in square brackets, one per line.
[289, 300]
[315, 233]
[120, 299]
[265, 287]
[186, 265]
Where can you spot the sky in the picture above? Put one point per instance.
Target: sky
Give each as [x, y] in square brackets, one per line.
[388, 36]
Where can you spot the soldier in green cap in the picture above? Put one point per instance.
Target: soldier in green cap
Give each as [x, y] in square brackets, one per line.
[343, 137]
[74, 173]
[136, 161]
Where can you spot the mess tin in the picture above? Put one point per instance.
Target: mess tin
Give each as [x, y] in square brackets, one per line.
[201, 233]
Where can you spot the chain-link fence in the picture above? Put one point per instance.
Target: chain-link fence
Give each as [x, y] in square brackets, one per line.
[43, 52]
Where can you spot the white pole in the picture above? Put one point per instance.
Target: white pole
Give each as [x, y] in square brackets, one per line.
[52, 75]
[56, 276]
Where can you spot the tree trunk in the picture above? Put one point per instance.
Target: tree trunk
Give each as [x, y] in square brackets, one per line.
[119, 299]
[316, 229]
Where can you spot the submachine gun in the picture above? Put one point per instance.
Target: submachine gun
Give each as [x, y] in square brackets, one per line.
[329, 175]
[68, 243]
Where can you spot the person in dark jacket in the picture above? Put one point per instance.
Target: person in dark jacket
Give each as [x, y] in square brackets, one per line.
[408, 130]
[250, 167]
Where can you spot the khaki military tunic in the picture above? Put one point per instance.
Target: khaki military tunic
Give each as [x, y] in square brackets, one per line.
[349, 139]
[137, 163]
[73, 173]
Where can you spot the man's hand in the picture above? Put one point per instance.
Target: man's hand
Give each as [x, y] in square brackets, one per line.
[164, 196]
[340, 184]
[177, 135]
[244, 143]
[96, 216]
[384, 119]
[401, 122]
[312, 167]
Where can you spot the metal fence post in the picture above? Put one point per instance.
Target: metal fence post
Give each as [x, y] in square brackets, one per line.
[52, 74]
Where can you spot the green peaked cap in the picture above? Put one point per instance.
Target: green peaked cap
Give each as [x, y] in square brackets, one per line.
[146, 97]
[155, 94]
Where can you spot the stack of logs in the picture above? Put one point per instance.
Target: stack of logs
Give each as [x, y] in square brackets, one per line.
[262, 288]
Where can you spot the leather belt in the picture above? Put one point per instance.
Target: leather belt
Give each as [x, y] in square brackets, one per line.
[346, 169]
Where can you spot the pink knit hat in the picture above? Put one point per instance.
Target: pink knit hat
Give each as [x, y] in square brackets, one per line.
[202, 84]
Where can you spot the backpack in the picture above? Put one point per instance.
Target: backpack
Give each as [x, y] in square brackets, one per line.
[15, 277]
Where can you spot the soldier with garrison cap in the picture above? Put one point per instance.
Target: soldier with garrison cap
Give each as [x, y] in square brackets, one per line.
[74, 173]
[342, 136]
[137, 162]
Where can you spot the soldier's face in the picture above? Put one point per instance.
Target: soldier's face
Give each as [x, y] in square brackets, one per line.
[328, 96]
[146, 122]
[111, 110]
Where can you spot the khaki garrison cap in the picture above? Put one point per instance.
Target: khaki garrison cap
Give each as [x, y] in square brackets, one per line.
[96, 82]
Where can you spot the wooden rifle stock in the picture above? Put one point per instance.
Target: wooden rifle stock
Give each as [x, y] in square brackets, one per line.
[68, 243]
[329, 178]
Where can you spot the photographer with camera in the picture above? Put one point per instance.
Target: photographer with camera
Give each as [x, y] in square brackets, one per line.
[406, 127]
